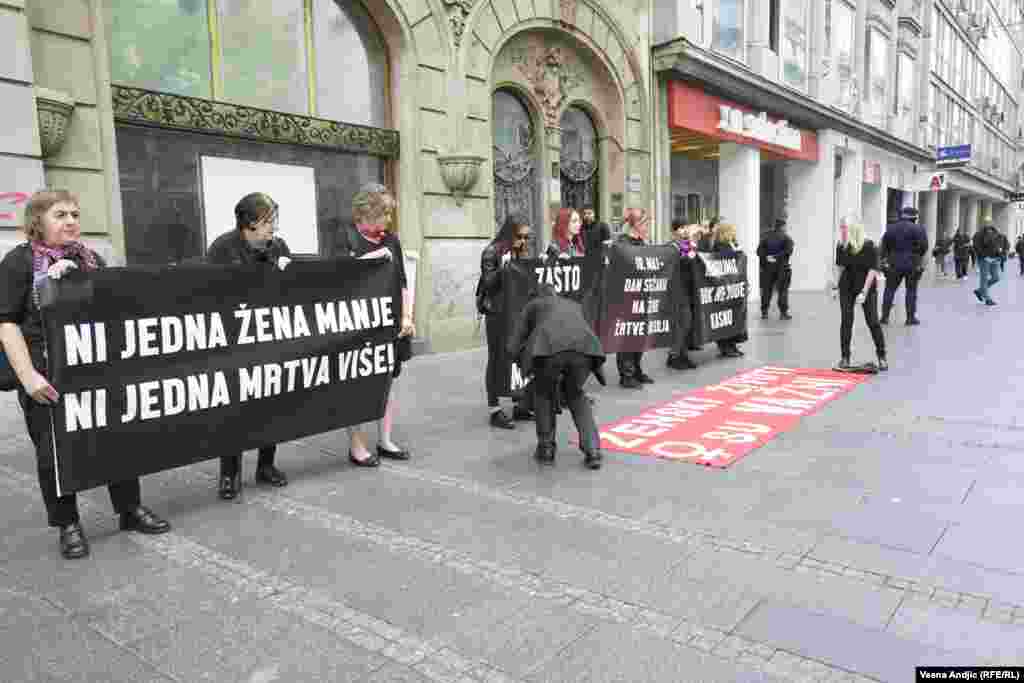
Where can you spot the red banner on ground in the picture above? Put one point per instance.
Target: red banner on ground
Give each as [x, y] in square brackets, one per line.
[719, 424]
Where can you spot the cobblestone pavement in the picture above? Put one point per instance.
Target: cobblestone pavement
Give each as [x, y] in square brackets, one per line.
[879, 534]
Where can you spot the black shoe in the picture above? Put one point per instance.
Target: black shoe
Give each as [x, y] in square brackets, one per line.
[785, 316]
[522, 414]
[913, 321]
[730, 352]
[501, 421]
[681, 363]
[979, 296]
[694, 347]
[229, 487]
[73, 543]
[883, 364]
[592, 461]
[764, 315]
[884, 320]
[644, 378]
[145, 521]
[268, 474]
[545, 455]
[843, 364]
[630, 383]
[400, 454]
[372, 461]
[990, 303]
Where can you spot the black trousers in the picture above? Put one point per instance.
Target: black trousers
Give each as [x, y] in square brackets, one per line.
[682, 338]
[63, 510]
[1020, 258]
[230, 464]
[847, 302]
[961, 266]
[628, 364]
[569, 369]
[893, 280]
[775, 278]
[492, 375]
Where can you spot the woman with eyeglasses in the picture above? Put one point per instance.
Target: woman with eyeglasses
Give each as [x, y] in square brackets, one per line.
[511, 242]
[252, 241]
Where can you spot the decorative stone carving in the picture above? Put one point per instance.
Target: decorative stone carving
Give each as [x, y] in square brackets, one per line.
[134, 105]
[458, 14]
[552, 80]
[460, 173]
[54, 110]
[568, 11]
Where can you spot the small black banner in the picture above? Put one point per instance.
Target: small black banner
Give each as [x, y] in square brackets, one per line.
[163, 367]
[721, 291]
[640, 296]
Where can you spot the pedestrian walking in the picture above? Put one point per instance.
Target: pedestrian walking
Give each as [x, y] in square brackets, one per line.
[511, 242]
[554, 342]
[52, 249]
[373, 236]
[252, 241]
[631, 374]
[1019, 248]
[961, 254]
[774, 253]
[678, 357]
[940, 252]
[858, 262]
[1004, 251]
[987, 245]
[725, 245]
[904, 246]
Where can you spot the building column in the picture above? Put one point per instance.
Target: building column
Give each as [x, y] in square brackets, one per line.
[930, 220]
[739, 200]
[950, 214]
[971, 224]
[1001, 212]
[986, 212]
[814, 199]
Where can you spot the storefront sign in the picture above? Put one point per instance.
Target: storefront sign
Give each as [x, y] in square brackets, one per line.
[691, 109]
[957, 155]
[872, 172]
[758, 127]
[929, 182]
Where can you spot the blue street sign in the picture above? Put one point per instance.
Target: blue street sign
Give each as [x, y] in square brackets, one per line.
[957, 154]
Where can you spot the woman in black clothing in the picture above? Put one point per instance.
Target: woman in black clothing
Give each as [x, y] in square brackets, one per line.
[724, 244]
[637, 228]
[512, 241]
[252, 241]
[371, 237]
[858, 262]
[53, 248]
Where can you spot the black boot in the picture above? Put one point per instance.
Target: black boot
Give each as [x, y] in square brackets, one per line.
[545, 454]
[592, 461]
[501, 421]
[844, 363]
[73, 543]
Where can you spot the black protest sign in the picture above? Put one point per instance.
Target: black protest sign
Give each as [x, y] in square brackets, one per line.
[640, 297]
[721, 291]
[163, 367]
[574, 278]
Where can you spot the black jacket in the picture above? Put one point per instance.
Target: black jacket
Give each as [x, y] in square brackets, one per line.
[488, 288]
[904, 246]
[777, 244]
[594, 235]
[551, 324]
[961, 246]
[1020, 246]
[988, 243]
[232, 249]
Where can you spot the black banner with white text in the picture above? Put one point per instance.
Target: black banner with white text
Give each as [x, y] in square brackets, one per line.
[721, 290]
[163, 367]
[641, 294]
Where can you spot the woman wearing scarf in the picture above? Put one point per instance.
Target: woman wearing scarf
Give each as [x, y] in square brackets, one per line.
[566, 238]
[725, 245]
[678, 359]
[252, 241]
[857, 260]
[53, 248]
[372, 237]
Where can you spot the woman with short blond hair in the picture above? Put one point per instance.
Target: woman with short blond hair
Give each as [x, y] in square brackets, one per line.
[53, 248]
[857, 259]
[724, 244]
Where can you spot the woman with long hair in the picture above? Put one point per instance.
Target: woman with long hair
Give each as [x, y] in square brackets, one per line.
[566, 235]
[511, 242]
[858, 262]
[53, 248]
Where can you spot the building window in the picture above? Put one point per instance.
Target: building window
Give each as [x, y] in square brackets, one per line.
[322, 58]
[876, 76]
[839, 41]
[906, 92]
[795, 43]
[727, 28]
[160, 45]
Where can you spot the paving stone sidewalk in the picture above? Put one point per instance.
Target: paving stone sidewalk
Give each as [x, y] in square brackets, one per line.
[879, 534]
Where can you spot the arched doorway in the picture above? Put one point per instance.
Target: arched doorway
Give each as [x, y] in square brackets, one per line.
[516, 186]
[579, 160]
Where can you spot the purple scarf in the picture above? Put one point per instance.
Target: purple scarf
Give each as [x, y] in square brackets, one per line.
[43, 257]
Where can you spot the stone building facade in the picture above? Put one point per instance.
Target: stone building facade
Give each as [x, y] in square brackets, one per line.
[469, 109]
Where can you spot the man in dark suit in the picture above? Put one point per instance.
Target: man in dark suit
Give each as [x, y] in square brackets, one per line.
[904, 246]
[556, 344]
[774, 253]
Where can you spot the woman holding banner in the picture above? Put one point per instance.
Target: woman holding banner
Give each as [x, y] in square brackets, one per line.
[373, 236]
[637, 227]
[857, 259]
[678, 359]
[511, 242]
[252, 241]
[53, 248]
[566, 236]
[724, 244]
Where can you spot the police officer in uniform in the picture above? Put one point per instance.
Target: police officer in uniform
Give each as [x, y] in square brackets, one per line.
[774, 253]
[904, 246]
